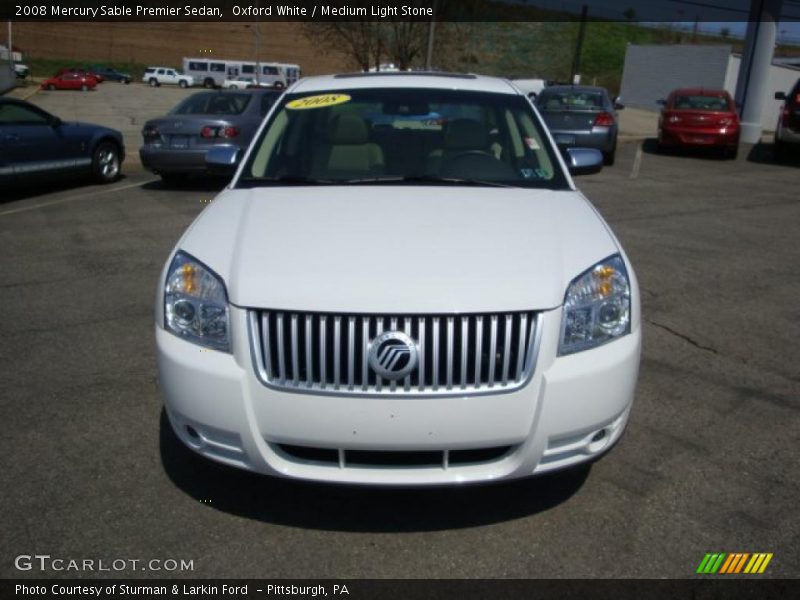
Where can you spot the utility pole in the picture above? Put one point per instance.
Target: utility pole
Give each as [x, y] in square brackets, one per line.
[10, 50]
[576, 61]
[431, 28]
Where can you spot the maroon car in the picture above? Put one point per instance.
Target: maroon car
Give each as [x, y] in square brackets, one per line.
[79, 71]
[699, 118]
[70, 81]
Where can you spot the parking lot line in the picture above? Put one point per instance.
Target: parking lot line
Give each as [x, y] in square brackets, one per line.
[77, 197]
[637, 162]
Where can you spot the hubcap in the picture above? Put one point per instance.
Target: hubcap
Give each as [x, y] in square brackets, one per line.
[109, 164]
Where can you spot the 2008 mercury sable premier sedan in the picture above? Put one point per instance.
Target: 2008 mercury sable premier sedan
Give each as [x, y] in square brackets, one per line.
[401, 285]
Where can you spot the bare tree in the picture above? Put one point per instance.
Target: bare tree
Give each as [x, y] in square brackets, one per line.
[361, 41]
[407, 42]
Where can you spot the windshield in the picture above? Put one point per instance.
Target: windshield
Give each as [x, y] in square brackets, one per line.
[213, 103]
[403, 136]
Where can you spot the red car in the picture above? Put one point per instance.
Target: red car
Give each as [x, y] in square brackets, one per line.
[699, 118]
[79, 71]
[70, 81]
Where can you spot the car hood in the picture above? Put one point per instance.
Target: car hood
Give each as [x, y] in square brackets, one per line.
[398, 249]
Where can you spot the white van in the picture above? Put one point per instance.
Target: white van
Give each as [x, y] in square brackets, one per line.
[531, 87]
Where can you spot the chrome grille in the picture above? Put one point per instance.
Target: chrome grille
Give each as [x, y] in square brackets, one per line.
[329, 353]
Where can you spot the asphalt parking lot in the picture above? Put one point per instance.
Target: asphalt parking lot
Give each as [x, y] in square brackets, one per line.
[709, 462]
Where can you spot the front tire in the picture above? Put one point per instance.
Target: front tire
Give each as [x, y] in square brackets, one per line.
[84, 88]
[182, 83]
[153, 82]
[106, 162]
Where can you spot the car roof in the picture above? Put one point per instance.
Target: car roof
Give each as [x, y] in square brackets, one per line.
[700, 92]
[404, 79]
[574, 88]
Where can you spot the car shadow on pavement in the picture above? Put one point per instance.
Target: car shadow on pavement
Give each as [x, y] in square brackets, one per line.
[359, 509]
[650, 146]
[764, 153]
[31, 189]
[188, 184]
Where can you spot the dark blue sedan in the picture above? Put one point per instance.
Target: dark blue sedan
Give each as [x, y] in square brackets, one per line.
[37, 146]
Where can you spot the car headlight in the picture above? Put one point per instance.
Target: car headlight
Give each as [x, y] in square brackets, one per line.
[597, 307]
[196, 304]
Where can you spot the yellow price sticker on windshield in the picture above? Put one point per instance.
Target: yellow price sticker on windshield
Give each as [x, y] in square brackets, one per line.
[318, 101]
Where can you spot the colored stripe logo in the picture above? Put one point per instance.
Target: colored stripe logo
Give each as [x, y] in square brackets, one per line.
[723, 563]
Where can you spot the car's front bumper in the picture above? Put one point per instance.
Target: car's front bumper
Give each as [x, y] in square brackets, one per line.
[787, 135]
[572, 410]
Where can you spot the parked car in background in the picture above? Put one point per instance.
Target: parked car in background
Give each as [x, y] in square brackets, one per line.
[581, 116]
[70, 81]
[80, 71]
[699, 118]
[787, 132]
[386, 304]
[239, 83]
[21, 70]
[36, 145]
[110, 74]
[175, 145]
[156, 76]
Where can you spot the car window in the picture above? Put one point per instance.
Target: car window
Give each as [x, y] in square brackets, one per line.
[718, 102]
[569, 100]
[402, 136]
[16, 114]
[267, 100]
[213, 103]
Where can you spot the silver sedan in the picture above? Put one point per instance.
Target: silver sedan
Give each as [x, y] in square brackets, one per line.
[581, 116]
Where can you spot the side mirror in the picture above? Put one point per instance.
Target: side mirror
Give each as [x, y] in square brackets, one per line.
[584, 161]
[661, 101]
[618, 106]
[780, 95]
[222, 160]
[55, 122]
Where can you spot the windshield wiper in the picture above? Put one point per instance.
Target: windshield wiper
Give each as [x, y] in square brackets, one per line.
[429, 179]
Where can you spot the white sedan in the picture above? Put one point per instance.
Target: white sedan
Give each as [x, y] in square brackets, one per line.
[239, 83]
[371, 302]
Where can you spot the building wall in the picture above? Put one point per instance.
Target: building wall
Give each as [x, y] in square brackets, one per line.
[166, 43]
[7, 78]
[652, 71]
